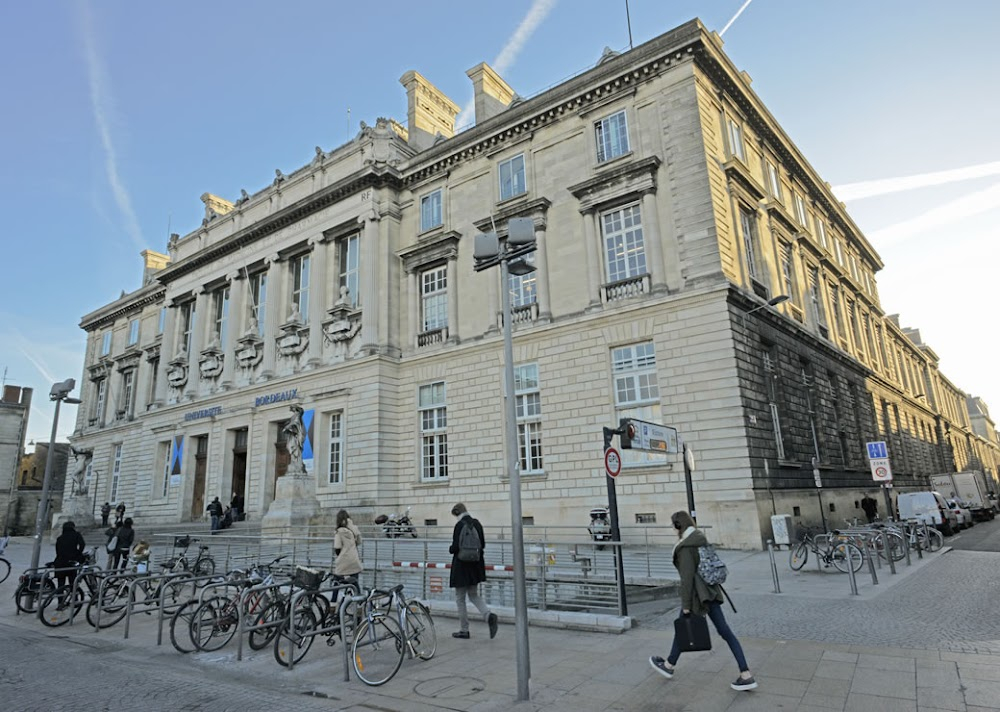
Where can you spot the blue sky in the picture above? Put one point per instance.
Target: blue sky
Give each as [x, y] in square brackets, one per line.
[119, 115]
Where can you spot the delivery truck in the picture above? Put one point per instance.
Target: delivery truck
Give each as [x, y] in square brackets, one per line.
[970, 488]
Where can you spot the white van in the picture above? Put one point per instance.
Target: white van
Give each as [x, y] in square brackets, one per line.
[928, 507]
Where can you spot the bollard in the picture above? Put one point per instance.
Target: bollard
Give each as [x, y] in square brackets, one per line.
[850, 576]
[774, 566]
[907, 541]
[888, 553]
[871, 568]
[920, 549]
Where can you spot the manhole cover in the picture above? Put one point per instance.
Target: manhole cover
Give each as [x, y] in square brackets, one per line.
[450, 687]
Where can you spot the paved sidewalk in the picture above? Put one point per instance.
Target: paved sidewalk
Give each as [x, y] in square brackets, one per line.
[572, 670]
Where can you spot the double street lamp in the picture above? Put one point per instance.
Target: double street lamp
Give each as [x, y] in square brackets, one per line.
[60, 394]
[512, 256]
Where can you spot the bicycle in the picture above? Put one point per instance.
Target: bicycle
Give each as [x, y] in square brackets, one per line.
[33, 587]
[380, 643]
[840, 553]
[215, 621]
[293, 634]
[204, 564]
[4, 564]
[112, 602]
[59, 606]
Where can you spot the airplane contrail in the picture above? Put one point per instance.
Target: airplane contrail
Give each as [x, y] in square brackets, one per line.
[738, 13]
[942, 216]
[536, 14]
[884, 186]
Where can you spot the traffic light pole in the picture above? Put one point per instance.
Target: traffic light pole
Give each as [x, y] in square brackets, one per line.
[616, 535]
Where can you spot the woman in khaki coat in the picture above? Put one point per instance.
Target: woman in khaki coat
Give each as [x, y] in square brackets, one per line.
[346, 541]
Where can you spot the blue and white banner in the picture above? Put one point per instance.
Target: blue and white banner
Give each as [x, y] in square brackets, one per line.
[307, 447]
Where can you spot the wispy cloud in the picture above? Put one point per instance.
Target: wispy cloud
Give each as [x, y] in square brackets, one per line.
[946, 215]
[39, 366]
[873, 188]
[535, 16]
[100, 101]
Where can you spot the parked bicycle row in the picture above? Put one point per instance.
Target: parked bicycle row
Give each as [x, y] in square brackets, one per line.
[849, 548]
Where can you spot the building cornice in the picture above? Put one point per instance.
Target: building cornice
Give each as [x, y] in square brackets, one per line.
[142, 297]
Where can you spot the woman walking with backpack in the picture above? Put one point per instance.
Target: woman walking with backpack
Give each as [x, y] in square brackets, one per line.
[699, 598]
[468, 570]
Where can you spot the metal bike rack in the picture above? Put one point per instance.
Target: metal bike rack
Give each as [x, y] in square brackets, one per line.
[146, 607]
[194, 580]
[351, 594]
[241, 625]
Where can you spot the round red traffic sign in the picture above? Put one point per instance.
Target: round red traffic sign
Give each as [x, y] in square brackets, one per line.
[612, 462]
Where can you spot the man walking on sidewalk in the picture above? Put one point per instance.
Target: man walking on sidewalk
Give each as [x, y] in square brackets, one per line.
[468, 570]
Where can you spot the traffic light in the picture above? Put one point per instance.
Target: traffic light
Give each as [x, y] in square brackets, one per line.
[628, 433]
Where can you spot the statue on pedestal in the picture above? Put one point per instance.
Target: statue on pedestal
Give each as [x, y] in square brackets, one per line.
[295, 434]
[78, 477]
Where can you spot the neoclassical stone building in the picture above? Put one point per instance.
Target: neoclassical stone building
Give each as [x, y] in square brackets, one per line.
[668, 207]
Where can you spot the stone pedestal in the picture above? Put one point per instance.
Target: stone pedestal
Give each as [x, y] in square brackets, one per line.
[78, 509]
[294, 508]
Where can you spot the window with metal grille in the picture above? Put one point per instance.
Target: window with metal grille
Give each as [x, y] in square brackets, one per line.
[748, 225]
[434, 298]
[335, 466]
[433, 413]
[637, 392]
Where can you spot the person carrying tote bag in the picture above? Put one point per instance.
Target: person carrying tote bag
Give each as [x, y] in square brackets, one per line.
[698, 598]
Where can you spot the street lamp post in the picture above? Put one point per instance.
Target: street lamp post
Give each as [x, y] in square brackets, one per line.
[60, 394]
[512, 258]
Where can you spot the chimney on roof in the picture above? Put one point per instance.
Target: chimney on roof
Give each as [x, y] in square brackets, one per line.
[428, 111]
[492, 94]
[153, 262]
[215, 206]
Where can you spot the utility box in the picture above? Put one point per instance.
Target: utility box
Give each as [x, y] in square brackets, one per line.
[781, 529]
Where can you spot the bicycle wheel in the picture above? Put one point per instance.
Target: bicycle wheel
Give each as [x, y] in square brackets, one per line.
[845, 554]
[57, 606]
[214, 623]
[378, 650]
[272, 616]
[798, 556]
[204, 566]
[897, 546]
[180, 627]
[420, 630]
[293, 641]
[112, 606]
[27, 595]
[935, 539]
[179, 591]
[4, 569]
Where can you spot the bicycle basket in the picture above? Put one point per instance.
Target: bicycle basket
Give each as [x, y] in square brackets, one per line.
[307, 578]
[182, 542]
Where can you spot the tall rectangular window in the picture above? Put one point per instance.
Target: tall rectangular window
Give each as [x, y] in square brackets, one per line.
[128, 390]
[869, 338]
[623, 243]
[816, 300]
[430, 211]
[154, 374]
[736, 140]
[335, 466]
[839, 249]
[133, 332]
[162, 320]
[637, 391]
[773, 180]
[349, 263]
[102, 395]
[838, 318]
[821, 231]
[106, 343]
[434, 298]
[854, 267]
[300, 286]
[116, 472]
[523, 289]
[788, 272]
[771, 375]
[164, 460]
[612, 137]
[221, 308]
[748, 225]
[852, 315]
[800, 211]
[512, 180]
[433, 414]
[528, 404]
[187, 325]
[258, 294]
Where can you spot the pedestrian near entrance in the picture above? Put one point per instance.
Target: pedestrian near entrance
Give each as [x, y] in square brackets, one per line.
[234, 504]
[126, 537]
[105, 513]
[119, 514]
[466, 575]
[870, 507]
[699, 598]
[214, 508]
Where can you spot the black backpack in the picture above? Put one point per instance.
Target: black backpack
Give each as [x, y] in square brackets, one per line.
[469, 544]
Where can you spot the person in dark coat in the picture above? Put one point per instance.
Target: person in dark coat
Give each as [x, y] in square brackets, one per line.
[870, 508]
[467, 575]
[69, 553]
[699, 598]
[214, 508]
[126, 537]
[119, 514]
[105, 513]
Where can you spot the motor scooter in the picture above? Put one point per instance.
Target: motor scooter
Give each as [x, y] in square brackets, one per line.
[397, 526]
[600, 526]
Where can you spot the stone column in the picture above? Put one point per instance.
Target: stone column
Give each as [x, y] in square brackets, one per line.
[542, 276]
[651, 239]
[199, 332]
[167, 348]
[413, 290]
[273, 313]
[332, 275]
[593, 259]
[369, 285]
[235, 326]
[452, 275]
[318, 289]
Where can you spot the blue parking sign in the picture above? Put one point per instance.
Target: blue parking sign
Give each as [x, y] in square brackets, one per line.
[877, 450]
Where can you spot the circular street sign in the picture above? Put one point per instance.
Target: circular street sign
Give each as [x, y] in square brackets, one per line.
[612, 462]
[881, 473]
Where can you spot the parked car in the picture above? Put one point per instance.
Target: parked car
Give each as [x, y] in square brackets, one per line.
[930, 508]
[963, 513]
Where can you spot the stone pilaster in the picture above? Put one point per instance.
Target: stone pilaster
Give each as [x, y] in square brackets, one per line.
[652, 242]
[542, 276]
[318, 289]
[273, 313]
[369, 285]
[593, 258]
[452, 275]
[234, 329]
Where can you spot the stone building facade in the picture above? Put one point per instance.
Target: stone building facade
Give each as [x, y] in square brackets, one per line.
[668, 206]
[15, 407]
